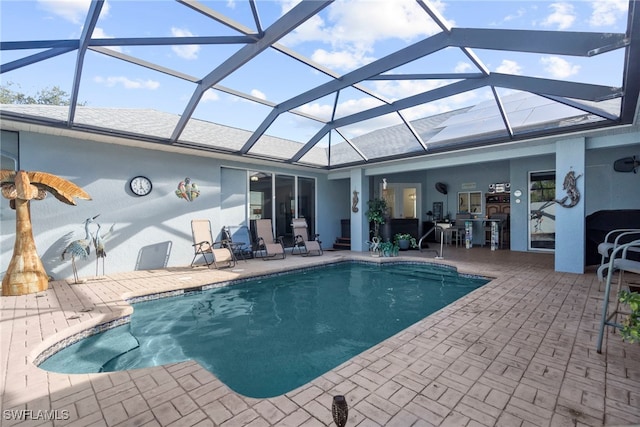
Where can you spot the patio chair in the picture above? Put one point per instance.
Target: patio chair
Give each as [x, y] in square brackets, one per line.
[502, 226]
[613, 239]
[302, 243]
[618, 261]
[204, 245]
[457, 230]
[238, 239]
[267, 245]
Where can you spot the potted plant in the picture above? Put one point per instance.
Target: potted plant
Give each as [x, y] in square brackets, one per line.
[389, 249]
[376, 213]
[630, 330]
[405, 241]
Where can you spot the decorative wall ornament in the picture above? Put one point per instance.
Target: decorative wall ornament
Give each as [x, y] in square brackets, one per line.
[570, 186]
[188, 190]
[354, 202]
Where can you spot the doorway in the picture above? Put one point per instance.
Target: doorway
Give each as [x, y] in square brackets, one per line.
[542, 210]
[403, 199]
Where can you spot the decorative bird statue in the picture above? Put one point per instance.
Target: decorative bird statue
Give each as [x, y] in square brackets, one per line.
[98, 244]
[26, 273]
[80, 248]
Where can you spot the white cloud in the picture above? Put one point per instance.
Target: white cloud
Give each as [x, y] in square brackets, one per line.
[562, 16]
[399, 89]
[558, 67]
[322, 111]
[341, 59]
[98, 33]
[607, 12]
[509, 67]
[209, 95]
[519, 14]
[72, 10]
[127, 83]
[462, 67]
[353, 27]
[184, 51]
[258, 94]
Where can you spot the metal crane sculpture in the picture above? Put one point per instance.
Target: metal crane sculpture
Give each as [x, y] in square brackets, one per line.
[26, 273]
[80, 248]
[98, 244]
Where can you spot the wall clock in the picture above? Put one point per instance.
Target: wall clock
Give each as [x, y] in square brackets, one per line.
[140, 185]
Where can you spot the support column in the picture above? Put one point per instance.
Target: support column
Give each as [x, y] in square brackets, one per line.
[570, 214]
[359, 224]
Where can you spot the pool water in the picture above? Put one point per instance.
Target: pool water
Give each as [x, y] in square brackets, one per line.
[265, 337]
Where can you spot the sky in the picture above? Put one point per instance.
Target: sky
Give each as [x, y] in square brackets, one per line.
[344, 36]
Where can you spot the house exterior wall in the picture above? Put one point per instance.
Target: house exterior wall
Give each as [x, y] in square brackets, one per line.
[153, 231]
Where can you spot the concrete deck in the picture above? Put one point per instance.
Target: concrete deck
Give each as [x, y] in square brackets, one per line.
[520, 351]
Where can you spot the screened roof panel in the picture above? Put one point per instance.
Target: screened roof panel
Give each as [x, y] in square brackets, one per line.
[274, 79]
[295, 127]
[109, 82]
[223, 108]
[258, 74]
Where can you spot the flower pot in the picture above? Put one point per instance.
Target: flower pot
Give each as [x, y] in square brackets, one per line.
[403, 244]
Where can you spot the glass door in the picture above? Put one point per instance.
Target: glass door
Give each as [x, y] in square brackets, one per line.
[260, 206]
[307, 202]
[285, 207]
[403, 200]
[542, 210]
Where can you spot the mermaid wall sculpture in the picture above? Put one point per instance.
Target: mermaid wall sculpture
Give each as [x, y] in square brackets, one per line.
[570, 186]
[354, 202]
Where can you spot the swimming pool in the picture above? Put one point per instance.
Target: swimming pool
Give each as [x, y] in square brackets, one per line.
[267, 336]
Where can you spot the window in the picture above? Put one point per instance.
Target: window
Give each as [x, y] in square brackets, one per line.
[9, 144]
[470, 202]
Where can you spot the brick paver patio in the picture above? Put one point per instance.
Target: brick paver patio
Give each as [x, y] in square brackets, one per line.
[519, 351]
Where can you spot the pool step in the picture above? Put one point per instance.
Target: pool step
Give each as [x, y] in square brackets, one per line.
[342, 243]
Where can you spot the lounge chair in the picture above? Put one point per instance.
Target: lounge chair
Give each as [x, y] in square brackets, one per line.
[267, 245]
[302, 243]
[618, 261]
[238, 239]
[203, 245]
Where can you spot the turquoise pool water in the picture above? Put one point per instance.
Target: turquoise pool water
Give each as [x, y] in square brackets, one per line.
[267, 336]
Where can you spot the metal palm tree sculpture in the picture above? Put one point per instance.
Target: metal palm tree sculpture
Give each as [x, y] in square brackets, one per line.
[25, 273]
[80, 248]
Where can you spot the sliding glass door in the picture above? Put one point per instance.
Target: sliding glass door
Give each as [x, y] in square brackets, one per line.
[282, 198]
[542, 210]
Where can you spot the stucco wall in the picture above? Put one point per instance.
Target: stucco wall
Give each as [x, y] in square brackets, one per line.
[150, 231]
